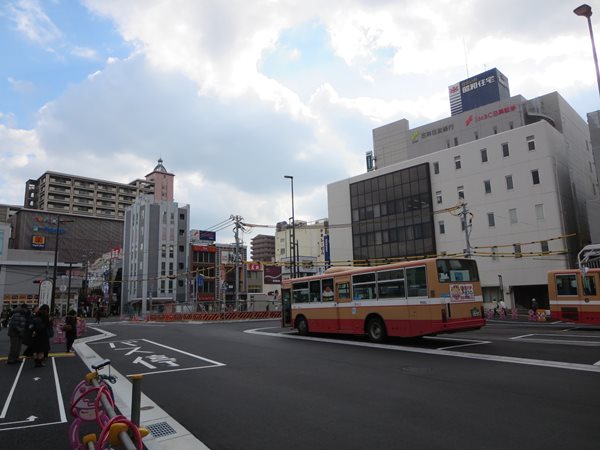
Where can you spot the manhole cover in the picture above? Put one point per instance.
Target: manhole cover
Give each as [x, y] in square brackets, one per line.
[161, 429]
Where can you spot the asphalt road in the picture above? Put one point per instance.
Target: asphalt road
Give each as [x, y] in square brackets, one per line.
[511, 385]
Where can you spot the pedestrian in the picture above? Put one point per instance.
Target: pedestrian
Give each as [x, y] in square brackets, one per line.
[41, 331]
[534, 304]
[16, 331]
[502, 306]
[98, 315]
[70, 329]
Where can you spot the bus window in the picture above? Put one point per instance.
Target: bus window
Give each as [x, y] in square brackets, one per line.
[363, 286]
[327, 295]
[343, 291]
[390, 284]
[315, 291]
[589, 286]
[452, 270]
[566, 284]
[416, 279]
[300, 292]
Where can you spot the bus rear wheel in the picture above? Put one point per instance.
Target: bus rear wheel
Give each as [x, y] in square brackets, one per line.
[302, 326]
[376, 329]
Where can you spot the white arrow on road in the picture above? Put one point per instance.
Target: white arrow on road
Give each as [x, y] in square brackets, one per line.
[29, 419]
[139, 360]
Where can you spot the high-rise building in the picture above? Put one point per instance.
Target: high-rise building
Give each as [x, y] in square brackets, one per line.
[508, 182]
[311, 247]
[263, 248]
[155, 262]
[73, 194]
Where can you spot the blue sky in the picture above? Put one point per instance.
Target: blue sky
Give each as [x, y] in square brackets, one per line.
[234, 95]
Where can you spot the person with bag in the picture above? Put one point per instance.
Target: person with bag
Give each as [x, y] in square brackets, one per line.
[70, 329]
[41, 332]
[16, 331]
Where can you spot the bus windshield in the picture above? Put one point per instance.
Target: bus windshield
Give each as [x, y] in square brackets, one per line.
[453, 270]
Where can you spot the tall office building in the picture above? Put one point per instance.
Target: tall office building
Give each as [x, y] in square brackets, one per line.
[263, 248]
[512, 177]
[155, 248]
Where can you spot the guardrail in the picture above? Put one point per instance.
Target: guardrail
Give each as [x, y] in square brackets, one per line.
[214, 316]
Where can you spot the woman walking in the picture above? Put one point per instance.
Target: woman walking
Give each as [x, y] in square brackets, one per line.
[40, 336]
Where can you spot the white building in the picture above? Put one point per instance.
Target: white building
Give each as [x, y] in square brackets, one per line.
[311, 247]
[524, 169]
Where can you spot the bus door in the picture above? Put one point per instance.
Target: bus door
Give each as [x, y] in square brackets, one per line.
[343, 307]
[286, 308]
[419, 304]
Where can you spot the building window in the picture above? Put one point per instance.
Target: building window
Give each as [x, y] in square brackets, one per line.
[442, 227]
[539, 211]
[181, 216]
[438, 197]
[181, 248]
[487, 185]
[491, 219]
[505, 151]
[457, 164]
[495, 129]
[447, 143]
[545, 247]
[484, 157]
[461, 192]
[509, 182]
[511, 125]
[517, 250]
[512, 215]
[436, 167]
[162, 268]
[476, 135]
[530, 142]
[456, 142]
[535, 176]
[494, 253]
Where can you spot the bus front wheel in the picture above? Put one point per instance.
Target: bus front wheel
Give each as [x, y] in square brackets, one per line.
[302, 326]
[376, 329]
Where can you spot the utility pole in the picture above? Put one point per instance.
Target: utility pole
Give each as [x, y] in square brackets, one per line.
[467, 226]
[238, 225]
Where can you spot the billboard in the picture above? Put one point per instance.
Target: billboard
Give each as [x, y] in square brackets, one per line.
[479, 90]
[272, 275]
[201, 235]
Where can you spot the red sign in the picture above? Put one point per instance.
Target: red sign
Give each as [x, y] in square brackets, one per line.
[253, 267]
[204, 248]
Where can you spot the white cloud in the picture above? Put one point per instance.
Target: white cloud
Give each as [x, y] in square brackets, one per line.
[21, 86]
[85, 53]
[32, 22]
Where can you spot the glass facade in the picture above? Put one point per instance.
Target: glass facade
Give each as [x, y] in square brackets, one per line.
[392, 215]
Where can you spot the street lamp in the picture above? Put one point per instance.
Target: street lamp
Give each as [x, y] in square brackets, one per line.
[293, 266]
[586, 11]
[53, 295]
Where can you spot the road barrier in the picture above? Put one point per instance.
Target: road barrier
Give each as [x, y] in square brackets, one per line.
[214, 316]
[92, 401]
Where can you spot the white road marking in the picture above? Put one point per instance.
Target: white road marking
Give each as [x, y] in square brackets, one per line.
[533, 339]
[29, 419]
[139, 360]
[482, 357]
[12, 391]
[61, 405]
[154, 372]
[469, 342]
[216, 363]
[151, 412]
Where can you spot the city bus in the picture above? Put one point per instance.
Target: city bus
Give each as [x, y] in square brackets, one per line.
[574, 295]
[408, 299]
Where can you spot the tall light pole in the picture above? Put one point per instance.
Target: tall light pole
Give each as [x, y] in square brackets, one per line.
[293, 266]
[586, 11]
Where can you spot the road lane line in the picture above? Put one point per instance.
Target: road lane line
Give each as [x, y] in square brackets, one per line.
[216, 363]
[12, 391]
[481, 357]
[174, 370]
[61, 405]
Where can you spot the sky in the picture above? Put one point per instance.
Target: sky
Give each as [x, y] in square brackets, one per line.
[235, 94]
